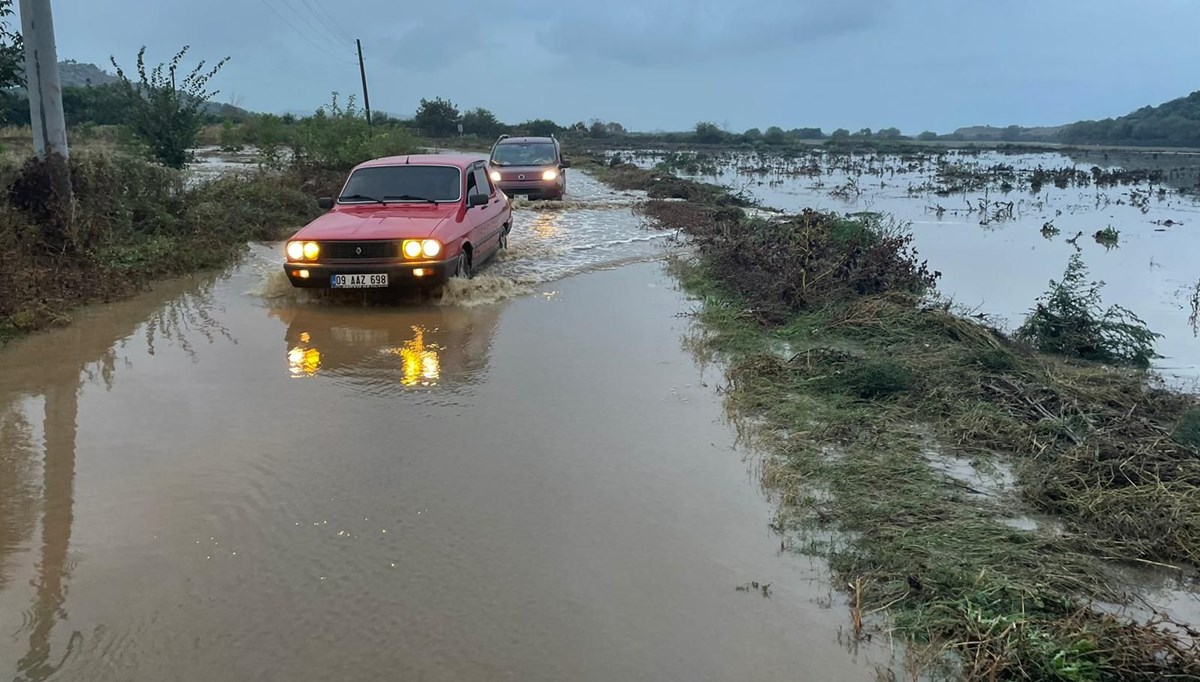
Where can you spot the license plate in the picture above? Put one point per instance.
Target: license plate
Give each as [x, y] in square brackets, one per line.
[358, 281]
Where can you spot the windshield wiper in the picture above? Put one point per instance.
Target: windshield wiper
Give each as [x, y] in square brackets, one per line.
[408, 197]
[359, 197]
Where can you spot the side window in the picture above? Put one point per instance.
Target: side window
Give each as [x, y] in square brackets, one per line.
[482, 181]
[472, 181]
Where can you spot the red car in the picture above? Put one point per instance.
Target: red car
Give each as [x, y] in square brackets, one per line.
[403, 220]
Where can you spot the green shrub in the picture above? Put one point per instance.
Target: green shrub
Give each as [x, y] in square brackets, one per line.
[339, 138]
[164, 110]
[1070, 321]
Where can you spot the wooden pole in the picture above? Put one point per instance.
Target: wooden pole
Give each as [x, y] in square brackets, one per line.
[41, 77]
[362, 70]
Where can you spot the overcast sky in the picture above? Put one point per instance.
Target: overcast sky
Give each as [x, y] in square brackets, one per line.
[666, 64]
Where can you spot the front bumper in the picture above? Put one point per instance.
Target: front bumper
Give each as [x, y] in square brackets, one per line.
[399, 274]
[531, 187]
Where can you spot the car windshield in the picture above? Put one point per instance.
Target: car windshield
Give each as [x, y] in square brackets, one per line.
[524, 154]
[406, 183]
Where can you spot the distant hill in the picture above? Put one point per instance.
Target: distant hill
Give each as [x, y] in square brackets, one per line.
[1007, 134]
[1172, 124]
[72, 74]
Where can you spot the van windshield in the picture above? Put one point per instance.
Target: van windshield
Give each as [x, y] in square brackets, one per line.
[524, 154]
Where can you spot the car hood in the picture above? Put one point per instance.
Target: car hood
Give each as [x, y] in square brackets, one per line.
[384, 222]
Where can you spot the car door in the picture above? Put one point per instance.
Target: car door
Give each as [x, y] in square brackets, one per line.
[488, 221]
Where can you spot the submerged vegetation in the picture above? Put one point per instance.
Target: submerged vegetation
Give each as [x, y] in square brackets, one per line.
[1070, 321]
[884, 411]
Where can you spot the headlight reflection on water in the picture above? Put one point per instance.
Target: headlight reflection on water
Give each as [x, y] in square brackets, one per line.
[304, 362]
[421, 363]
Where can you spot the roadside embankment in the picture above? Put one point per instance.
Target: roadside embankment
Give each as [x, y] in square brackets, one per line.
[980, 494]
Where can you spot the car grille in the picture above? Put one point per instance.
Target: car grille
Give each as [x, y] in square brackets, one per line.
[530, 176]
[360, 250]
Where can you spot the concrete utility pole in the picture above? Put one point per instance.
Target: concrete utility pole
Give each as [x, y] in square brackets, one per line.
[362, 70]
[41, 77]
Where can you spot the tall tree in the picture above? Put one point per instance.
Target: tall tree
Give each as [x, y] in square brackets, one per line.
[437, 117]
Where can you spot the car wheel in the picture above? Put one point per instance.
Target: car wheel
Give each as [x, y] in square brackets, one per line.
[464, 270]
[504, 237]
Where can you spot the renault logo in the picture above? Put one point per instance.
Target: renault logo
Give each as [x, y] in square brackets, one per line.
[521, 176]
[358, 250]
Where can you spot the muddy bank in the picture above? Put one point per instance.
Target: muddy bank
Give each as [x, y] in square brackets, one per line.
[841, 370]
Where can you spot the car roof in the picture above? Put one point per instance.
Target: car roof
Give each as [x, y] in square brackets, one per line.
[457, 160]
[527, 139]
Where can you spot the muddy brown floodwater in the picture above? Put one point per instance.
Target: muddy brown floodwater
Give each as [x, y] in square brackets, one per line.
[208, 484]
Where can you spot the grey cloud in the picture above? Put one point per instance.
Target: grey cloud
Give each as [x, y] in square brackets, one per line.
[675, 33]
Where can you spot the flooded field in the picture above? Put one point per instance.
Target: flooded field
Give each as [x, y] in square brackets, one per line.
[1000, 226]
[222, 479]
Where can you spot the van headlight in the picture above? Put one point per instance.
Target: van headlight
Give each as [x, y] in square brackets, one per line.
[550, 174]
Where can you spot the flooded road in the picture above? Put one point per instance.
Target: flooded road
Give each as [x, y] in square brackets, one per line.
[222, 480]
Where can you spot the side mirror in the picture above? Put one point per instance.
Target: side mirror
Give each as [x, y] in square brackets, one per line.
[565, 164]
[477, 199]
[325, 203]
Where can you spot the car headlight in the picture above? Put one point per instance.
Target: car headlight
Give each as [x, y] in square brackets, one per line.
[418, 248]
[550, 174]
[495, 175]
[303, 250]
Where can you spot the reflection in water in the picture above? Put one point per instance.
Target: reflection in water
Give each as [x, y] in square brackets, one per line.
[546, 224]
[389, 348]
[186, 315]
[18, 492]
[421, 365]
[58, 474]
[304, 362]
[86, 352]
[1194, 318]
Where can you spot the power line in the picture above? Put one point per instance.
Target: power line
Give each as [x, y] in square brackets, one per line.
[305, 17]
[329, 21]
[304, 35]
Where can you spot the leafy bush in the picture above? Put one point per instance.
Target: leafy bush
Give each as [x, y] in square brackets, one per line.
[339, 138]
[812, 259]
[164, 112]
[437, 117]
[708, 133]
[270, 135]
[132, 220]
[1070, 321]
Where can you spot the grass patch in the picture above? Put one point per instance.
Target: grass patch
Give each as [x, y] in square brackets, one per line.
[857, 385]
[132, 222]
